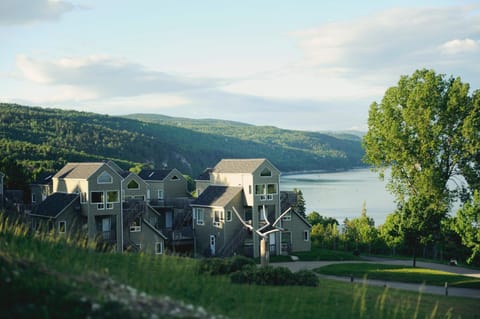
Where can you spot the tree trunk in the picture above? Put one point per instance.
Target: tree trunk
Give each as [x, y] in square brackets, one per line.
[264, 252]
[414, 257]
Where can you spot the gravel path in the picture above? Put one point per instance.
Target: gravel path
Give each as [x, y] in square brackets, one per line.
[452, 291]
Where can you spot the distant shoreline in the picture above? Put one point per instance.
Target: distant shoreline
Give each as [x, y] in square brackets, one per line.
[322, 171]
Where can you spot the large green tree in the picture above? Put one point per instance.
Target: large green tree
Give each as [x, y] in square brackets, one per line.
[467, 225]
[426, 130]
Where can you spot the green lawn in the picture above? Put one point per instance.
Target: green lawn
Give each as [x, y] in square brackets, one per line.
[317, 253]
[400, 273]
[49, 279]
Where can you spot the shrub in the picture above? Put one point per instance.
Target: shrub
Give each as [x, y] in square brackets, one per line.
[306, 278]
[214, 266]
[223, 266]
[274, 276]
[239, 262]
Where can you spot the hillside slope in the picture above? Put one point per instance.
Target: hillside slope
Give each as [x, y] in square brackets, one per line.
[45, 139]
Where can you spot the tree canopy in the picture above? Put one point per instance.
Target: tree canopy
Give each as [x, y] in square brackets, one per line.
[426, 130]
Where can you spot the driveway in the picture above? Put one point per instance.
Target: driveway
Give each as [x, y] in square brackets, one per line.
[451, 291]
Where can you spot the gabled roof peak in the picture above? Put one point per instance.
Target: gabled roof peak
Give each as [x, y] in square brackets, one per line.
[239, 165]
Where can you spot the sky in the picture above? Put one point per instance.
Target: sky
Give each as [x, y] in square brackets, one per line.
[304, 65]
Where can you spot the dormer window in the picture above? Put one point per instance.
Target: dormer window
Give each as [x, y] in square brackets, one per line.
[104, 178]
[266, 172]
[133, 185]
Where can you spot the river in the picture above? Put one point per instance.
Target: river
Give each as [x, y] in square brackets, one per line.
[341, 194]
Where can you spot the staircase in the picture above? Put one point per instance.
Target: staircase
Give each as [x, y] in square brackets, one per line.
[234, 243]
[132, 210]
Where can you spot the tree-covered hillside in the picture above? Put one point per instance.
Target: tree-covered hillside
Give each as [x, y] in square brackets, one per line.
[40, 139]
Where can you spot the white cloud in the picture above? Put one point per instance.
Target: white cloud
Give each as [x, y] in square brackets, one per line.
[104, 76]
[458, 46]
[13, 12]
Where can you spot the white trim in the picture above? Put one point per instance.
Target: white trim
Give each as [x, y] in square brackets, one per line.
[60, 222]
[157, 251]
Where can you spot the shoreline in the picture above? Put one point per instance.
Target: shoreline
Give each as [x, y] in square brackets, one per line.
[322, 171]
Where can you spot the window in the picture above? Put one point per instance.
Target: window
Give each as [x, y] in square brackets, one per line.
[175, 178]
[104, 178]
[259, 189]
[229, 216]
[112, 197]
[135, 226]
[200, 216]
[271, 188]
[34, 198]
[158, 248]
[160, 194]
[218, 218]
[98, 198]
[62, 227]
[133, 185]
[287, 217]
[266, 172]
[306, 235]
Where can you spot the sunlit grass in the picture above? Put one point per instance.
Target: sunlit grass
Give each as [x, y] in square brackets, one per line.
[400, 273]
[177, 277]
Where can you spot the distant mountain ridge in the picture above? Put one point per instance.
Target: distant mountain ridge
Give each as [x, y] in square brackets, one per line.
[45, 139]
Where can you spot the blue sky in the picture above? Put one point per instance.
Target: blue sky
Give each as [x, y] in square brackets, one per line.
[309, 65]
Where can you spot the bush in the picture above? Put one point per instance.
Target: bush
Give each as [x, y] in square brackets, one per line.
[223, 266]
[306, 278]
[214, 266]
[239, 262]
[274, 276]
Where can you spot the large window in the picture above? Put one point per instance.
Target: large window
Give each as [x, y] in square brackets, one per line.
[112, 197]
[98, 198]
[266, 191]
[104, 178]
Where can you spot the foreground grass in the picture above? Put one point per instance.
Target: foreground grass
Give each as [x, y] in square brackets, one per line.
[400, 273]
[44, 283]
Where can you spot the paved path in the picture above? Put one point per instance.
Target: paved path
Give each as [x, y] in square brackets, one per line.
[438, 290]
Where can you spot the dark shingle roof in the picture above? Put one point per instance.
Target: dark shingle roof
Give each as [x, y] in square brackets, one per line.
[43, 179]
[55, 204]
[238, 165]
[217, 196]
[154, 174]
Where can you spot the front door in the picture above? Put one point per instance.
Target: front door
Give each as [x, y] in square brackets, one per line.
[106, 227]
[212, 245]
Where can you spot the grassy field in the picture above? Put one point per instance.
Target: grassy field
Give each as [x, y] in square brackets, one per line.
[44, 277]
[400, 273]
[317, 253]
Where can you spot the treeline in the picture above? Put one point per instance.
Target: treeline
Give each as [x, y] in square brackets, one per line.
[36, 140]
[361, 236]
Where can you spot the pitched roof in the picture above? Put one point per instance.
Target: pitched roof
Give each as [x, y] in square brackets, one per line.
[43, 179]
[217, 196]
[238, 165]
[55, 204]
[78, 170]
[154, 174]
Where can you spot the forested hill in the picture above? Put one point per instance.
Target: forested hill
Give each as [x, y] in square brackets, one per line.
[45, 139]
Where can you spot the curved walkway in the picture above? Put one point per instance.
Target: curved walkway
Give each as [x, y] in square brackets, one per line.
[438, 290]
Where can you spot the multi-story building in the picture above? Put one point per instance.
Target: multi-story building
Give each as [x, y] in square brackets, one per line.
[152, 211]
[246, 189]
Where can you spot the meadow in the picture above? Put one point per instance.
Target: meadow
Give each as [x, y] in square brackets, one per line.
[43, 276]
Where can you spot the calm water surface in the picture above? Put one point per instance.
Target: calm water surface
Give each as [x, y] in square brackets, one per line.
[340, 195]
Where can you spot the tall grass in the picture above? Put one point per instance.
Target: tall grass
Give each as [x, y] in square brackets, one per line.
[177, 277]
